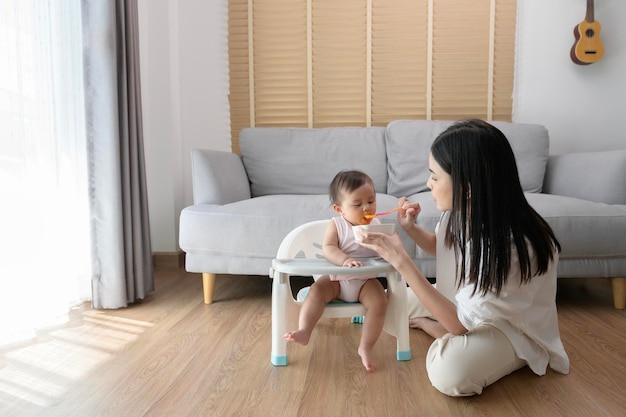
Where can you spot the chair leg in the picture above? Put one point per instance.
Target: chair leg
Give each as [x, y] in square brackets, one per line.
[619, 292]
[208, 287]
[285, 311]
[397, 318]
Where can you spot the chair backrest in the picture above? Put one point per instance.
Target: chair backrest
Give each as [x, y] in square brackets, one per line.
[305, 241]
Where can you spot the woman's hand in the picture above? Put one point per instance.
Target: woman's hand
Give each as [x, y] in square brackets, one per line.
[390, 247]
[443, 310]
[408, 215]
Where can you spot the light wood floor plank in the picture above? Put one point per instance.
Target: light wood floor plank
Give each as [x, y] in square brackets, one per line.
[172, 355]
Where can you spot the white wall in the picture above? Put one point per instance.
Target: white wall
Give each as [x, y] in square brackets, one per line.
[184, 67]
[185, 89]
[160, 122]
[581, 105]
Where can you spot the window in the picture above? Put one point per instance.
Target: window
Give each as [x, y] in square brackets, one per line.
[44, 217]
[320, 63]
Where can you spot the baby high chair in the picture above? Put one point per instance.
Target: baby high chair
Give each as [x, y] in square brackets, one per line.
[300, 253]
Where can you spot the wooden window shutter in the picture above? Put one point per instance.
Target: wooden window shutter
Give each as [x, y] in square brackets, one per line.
[321, 63]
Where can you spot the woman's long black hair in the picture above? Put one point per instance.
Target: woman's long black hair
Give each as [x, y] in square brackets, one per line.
[489, 208]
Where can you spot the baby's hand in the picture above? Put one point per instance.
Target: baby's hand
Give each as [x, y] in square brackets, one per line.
[351, 262]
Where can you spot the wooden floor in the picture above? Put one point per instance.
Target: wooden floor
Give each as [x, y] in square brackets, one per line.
[171, 355]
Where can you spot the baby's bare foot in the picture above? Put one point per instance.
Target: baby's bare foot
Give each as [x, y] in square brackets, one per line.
[366, 358]
[298, 336]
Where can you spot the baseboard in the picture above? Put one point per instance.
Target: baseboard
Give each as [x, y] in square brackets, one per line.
[168, 259]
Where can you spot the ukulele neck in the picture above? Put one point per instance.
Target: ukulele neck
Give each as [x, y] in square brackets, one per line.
[589, 16]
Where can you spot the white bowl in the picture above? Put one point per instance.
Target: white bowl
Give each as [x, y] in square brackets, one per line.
[386, 228]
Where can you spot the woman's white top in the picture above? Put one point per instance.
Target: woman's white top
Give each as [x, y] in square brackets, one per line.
[525, 313]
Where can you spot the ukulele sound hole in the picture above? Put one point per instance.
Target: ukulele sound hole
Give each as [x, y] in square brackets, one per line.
[589, 33]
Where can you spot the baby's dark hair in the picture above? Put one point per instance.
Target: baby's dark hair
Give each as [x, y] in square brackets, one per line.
[347, 181]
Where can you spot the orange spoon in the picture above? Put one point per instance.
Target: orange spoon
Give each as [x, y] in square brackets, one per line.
[371, 216]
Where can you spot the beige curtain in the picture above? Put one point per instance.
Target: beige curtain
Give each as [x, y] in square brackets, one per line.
[121, 251]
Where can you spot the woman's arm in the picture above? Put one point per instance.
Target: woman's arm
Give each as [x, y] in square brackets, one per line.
[423, 238]
[392, 250]
[406, 219]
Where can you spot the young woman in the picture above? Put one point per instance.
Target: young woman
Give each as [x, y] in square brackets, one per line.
[493, 308]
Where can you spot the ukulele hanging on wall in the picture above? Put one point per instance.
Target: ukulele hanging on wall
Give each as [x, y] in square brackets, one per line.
[588, 47]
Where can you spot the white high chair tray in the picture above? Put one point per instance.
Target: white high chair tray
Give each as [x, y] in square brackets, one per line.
[305, 267]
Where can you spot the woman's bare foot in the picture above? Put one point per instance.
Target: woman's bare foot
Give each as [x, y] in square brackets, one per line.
[416, 322]
[366, 358]
[430, 326]
[298, 336]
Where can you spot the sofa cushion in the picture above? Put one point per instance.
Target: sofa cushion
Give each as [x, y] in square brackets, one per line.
[255, 227]
[570, 218]
[408, 145]
[531, 146]
[583, 254]
[585, 229]
[595, 176]
[304, 161]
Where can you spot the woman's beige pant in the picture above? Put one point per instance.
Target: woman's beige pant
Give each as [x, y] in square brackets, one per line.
[464, 365]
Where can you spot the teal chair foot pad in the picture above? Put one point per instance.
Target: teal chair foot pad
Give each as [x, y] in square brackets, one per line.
[404, 355]
[282, 360]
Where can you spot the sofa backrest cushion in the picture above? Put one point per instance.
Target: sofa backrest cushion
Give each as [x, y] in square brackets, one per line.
[408, 145]
[304, 161]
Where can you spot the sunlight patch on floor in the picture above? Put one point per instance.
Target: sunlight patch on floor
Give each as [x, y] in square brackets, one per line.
[41, 372]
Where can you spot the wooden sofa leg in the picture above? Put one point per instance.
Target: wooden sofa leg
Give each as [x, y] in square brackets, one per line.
[619, 292]
[208, 285]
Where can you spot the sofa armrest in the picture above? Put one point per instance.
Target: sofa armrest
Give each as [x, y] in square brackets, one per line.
[594, 176]
[218, 177]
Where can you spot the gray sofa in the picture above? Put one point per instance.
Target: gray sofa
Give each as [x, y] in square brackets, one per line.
[245, 204]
